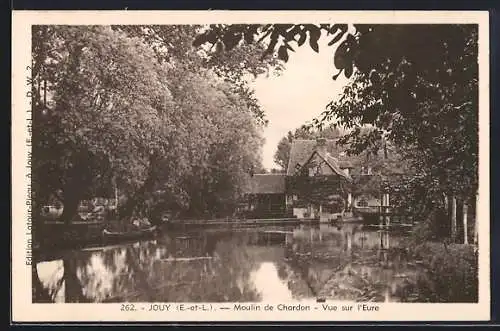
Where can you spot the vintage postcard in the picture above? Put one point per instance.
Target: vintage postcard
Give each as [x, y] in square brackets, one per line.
[250, 166]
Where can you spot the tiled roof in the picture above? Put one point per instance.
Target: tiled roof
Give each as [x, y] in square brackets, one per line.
[302, 149]
[334, 164]
[331, 161]
[344, 164]
[267, 184]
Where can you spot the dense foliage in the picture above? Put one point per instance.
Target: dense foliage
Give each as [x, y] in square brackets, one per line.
[422, 98]
[416, 86]
[112, 108]
[130, 106]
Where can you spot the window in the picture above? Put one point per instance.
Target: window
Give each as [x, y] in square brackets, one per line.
[311, 172]
[362, 203]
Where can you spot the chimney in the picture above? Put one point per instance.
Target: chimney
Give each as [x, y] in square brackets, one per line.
[321, 145]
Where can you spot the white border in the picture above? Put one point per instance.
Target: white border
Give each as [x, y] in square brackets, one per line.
[24, 310]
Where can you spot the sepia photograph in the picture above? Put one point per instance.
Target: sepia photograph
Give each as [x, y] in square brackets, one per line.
[329, 167]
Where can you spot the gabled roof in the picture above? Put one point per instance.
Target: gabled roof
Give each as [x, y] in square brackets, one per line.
[344, 164]
[302, 150]
[335, 165]
[267, 184]
[331, 161]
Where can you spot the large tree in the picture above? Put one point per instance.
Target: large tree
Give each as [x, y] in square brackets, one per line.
[114, 107]
[219, 141]
[99, 98]
[417, 85]
[235, 65]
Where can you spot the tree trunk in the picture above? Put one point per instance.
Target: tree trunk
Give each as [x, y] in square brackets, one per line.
[387, 203]
[476, 235]
[44, 91]
[72, 287]
[70, 209]
[453, 219]
[79, 179]
[465, 210]
[115, 187]
[71, 196]
[446, 206]
[132, 203]
[39, 293]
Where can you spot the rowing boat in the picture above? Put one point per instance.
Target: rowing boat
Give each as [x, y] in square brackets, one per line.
[110, 235]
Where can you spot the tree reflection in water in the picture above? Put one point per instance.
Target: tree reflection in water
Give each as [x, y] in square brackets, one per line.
[187, 268]
[284, 264]
[350, 263]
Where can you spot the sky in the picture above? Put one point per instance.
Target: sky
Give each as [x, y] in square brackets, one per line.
[298, 95]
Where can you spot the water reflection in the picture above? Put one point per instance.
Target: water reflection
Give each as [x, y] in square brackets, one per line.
[270, 286]
[284, 263]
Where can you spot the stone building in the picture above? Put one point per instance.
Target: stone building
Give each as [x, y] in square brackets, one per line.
[320, 182]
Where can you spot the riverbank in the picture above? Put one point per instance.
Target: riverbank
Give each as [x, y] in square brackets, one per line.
[427, 272]
[60, 236]
[453, 267]
[81, 234]
[243, 221]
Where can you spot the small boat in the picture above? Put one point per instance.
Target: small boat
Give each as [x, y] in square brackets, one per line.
[127, 235]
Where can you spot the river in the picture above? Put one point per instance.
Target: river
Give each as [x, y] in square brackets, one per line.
[268, 263]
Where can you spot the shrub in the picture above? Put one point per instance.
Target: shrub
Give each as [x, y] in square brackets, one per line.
[452, 271]
[434, 227]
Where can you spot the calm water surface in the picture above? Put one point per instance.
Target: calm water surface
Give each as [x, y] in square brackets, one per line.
[279, 263]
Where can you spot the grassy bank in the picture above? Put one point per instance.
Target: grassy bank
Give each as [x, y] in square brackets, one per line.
[408, 272]
[451, 271]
